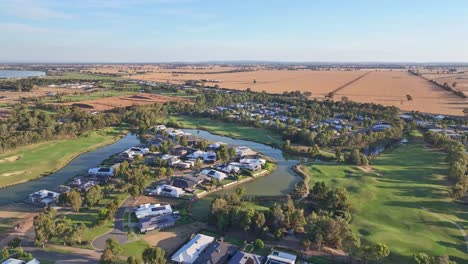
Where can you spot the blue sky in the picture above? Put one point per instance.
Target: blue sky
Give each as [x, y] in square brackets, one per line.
[205, 30]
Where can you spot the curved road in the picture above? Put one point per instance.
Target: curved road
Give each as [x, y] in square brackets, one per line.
[119, 232]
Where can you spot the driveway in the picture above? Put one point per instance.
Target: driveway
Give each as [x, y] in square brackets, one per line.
[119, 232]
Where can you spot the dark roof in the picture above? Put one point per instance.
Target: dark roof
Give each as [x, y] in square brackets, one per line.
[246, 258]
[104, 170]
[184, 184]
[216, 253]
[156, 222]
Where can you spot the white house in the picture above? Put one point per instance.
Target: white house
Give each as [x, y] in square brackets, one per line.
[228, 168]
[168, 190]
[104, 171]
[259, 161]
[189, 252]
[214, 174]
[278, 257]
[19, 261]
[148, 209]
[216, 145]
[44, 197]
[136, 151]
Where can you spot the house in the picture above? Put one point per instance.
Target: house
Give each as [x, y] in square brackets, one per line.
[155, 223]
[380, 127]
[160, 127]
[174, 133]
[278, 257]
[171, 160]
[259, 161]
[216, 145]
[214, 174]
[208, 157]
[168, 190]
[183, 165]
[228, 168]
[217, 252]
[136, 151]
[44, 197]
[83, 184]
[145, 210]
[183, 183]
[244, 151]
[103, 171]
[190, 252]
[19, 261]
[179, 151]
[246, 258]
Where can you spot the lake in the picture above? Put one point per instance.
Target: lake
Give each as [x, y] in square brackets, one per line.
[5, 74]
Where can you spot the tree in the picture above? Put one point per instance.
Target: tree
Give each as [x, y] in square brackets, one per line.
[259, 244]
[93, 196]
[154, 255]
[108, 257]
[246, 219]
[422, 258]
[14, 243]
[374, 252]
[259, 221]
[409, 97]
[134, 260]
[5, 253]
[113, 245]
[74, 198]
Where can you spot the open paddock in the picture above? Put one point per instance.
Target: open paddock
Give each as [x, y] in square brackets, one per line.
[108, 103]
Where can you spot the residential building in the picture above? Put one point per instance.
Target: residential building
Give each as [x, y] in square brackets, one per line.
[19, 261]
[190, 252]
[155, 223]
[228, 168]
[44, 197]
[246, 258]
[214, 174]
[217, 252]
[145, 210]
[103, 171]
[168, 190]
[278, 257]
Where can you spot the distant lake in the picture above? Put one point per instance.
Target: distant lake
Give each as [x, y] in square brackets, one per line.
[18, 74]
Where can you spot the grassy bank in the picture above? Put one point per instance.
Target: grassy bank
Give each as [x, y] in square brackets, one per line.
[83, 76]
[232, 130]
[33, 161]
[403, 204]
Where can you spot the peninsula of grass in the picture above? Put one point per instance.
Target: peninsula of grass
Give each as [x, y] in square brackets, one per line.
[36, 160]
[233, 130]
[92, 95]
[404, 203]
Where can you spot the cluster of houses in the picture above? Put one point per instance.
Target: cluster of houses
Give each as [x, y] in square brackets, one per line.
[154, 216]
[433, 123]
[19, 261]
[203, 249]
[78, 85]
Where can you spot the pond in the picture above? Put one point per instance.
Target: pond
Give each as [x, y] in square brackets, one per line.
[5, 74]
[80, 164]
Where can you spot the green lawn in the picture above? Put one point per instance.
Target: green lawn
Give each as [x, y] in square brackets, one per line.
[135, 248]
[389, 208]
[233, 130]
[33, 161]
[83, 76]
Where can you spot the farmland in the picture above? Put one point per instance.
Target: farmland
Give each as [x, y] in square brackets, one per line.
[391, 87]
[459, 79]
[404, 203]
[386, 87]
[107, 103]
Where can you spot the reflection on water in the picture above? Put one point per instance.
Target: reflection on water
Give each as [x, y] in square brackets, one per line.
[78, 165]
[277, 183]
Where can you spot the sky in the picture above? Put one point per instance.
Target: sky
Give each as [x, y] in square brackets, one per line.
[228, 30]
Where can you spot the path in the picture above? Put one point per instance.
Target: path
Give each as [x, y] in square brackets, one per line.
[332, 93]
[306, 179]
[458, 226]
[118, 232]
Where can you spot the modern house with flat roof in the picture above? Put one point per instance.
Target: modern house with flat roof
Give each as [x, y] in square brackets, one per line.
[146, 210]
[44, 197]
[278, 257]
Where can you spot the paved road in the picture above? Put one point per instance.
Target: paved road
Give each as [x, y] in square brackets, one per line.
[119, 232]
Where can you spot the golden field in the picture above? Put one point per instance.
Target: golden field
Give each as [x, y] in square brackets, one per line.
[386, 87]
